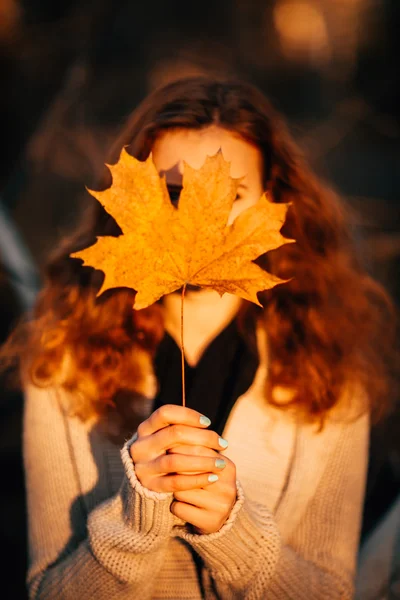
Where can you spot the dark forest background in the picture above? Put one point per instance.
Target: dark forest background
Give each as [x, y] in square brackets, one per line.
[71, 71]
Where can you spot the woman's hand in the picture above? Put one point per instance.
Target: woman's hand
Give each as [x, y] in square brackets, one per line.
[209, 507]
[159, 468]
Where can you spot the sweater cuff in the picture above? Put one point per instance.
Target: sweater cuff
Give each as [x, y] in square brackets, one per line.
[249, 537]
[146, 511]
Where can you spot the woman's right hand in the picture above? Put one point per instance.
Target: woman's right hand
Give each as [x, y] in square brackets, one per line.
[169, 427]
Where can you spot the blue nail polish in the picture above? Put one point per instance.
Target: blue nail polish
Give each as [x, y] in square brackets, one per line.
[222, 442]
[220, 463]
[212, 478]
[205, 421]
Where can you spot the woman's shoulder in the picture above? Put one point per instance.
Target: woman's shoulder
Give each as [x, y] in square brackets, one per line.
[352, 405]
[52, 407]
[59, 412]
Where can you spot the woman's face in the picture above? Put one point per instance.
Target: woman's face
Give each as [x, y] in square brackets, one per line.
[193, 146]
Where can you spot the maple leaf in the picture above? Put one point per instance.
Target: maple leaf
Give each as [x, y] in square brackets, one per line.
[164, 248]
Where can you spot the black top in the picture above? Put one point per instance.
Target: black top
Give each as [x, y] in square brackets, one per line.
[224, 372]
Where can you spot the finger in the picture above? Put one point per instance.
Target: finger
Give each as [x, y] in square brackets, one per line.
[170, 414]
[198, 517]
[177, 483]
[176, 435]
[179, 463]
[200, 498]
[209, 499]
[194, 451]
[150, 447]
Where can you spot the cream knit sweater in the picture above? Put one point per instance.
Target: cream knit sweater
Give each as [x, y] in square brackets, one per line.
[96, 533]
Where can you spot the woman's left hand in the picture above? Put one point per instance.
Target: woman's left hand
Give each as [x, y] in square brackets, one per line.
[206, 508]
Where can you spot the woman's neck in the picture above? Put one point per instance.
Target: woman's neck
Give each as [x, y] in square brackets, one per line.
[206, 314]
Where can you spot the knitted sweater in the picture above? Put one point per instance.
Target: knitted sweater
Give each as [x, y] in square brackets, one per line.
[96, 532]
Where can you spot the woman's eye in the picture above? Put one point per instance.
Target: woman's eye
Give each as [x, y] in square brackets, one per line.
[174, 193]
[238, 197]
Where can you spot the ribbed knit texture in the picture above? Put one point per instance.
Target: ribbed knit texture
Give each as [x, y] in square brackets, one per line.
[96, 532]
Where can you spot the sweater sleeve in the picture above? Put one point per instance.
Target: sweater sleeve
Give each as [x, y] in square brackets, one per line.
[247, 559]
[115, 549]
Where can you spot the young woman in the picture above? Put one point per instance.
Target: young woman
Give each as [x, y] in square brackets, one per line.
[131, 494]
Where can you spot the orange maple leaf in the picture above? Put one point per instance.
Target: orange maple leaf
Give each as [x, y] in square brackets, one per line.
[164, 248]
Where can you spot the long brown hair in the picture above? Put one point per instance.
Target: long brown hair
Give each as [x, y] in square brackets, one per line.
[331, 326]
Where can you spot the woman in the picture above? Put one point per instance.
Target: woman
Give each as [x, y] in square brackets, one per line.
[290, 390]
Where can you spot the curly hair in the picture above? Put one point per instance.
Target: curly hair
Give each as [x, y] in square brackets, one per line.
[330, 326]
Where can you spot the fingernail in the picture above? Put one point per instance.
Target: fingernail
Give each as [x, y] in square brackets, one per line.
[205, 421]
[220, 463]
[222, 442]
[212, 478]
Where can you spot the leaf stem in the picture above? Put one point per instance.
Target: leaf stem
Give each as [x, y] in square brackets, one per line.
[183, 348]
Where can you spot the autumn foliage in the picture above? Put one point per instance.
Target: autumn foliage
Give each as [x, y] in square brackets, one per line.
[164, 248]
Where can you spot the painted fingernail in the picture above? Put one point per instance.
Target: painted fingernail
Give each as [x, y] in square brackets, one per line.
[220, 463]
[205, 421]
[212, 478]
[222, 442]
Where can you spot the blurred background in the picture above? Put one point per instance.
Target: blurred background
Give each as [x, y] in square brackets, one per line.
[71, 71]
